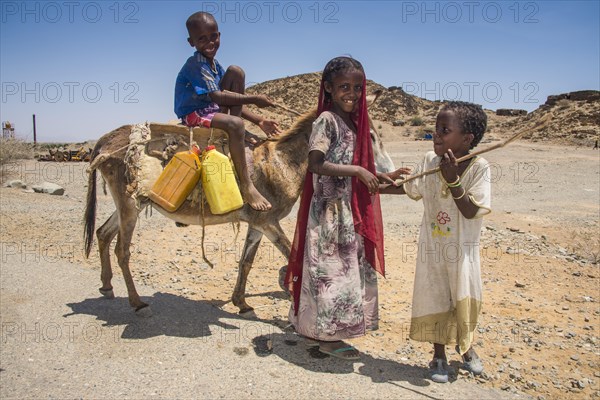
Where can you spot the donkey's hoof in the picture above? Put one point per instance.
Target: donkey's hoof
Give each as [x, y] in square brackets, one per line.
[248, 313]
[282, 274]
[107, 293]
[144, 311]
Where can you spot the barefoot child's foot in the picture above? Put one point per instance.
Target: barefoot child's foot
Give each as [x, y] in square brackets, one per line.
[255, 199]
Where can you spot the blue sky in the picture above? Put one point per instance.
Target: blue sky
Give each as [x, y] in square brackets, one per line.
[85, 68]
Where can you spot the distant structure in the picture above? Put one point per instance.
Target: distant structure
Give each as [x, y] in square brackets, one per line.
[8, 130]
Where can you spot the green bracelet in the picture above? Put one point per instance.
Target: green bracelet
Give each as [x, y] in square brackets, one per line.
[454, 184]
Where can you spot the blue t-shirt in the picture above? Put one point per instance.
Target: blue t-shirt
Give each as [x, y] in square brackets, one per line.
[194, 82]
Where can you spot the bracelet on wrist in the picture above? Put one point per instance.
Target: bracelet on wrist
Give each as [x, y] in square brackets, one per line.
[454, 184]
[461, 196]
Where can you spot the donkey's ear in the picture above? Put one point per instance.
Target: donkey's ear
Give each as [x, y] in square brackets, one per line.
[372, 98]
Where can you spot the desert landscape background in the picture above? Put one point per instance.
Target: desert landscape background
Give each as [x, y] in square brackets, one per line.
[538, 334]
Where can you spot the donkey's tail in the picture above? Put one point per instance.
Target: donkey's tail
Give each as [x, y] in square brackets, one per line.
[89, 217]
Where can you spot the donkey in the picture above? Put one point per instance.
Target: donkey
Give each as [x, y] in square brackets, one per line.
[279, 168]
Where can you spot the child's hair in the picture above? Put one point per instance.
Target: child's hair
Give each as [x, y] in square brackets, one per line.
[471, 116]
[198, 18]
[338, 65]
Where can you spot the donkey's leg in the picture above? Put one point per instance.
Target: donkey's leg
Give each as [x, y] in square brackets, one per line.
[105, 234]
[253, 238]
[128, 215]
[277, 236]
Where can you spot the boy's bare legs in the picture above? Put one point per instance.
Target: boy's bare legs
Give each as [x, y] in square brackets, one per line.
[234, 126]
[234, 80]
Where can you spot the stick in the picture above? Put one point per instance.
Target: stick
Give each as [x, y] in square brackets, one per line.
[287, 109]
[275, 104]
[467, 157]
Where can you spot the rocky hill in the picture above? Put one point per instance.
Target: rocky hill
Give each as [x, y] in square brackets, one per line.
[571, 118]
[300, 93]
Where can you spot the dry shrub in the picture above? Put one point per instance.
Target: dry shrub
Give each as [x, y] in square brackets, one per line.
[563, 104]
[586, 244]
[12, 149]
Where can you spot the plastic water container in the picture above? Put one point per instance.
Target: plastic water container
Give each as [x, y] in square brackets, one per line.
[177, 180]
[219, 183]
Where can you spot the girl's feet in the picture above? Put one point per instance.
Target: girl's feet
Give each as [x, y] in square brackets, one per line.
[439, 370]
[439, 364]
[339, 349]
[472, 362]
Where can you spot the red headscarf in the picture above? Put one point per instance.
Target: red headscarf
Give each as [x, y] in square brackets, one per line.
[366, 209]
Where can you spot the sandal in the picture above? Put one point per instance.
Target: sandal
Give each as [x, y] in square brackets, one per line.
[472, 362]
[310, 343]
[344, 353]
[439, 370]
[473, 365]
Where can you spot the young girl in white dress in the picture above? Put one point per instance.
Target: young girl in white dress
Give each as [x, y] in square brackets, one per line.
[447, 291]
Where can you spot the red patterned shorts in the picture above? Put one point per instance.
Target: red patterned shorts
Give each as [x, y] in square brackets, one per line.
[202, 117]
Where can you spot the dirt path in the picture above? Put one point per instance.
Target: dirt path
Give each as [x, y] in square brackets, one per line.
[538, 335]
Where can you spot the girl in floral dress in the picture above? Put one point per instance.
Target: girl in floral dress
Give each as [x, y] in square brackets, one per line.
[338, 244]
[447, 290]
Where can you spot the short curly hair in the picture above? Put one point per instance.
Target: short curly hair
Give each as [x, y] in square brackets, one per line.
[199, 18]
[472, 118]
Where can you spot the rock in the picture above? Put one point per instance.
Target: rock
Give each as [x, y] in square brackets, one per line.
[16, 184]
[510, 112]
[398, 122]
[49, 188]
[579, 384]
[514, 365]
[587, 95]
[575, 357]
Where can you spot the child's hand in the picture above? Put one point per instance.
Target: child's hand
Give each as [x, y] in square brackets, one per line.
[368, 179]
[391, 177]
[269, 127]
[449, 167]
[262, 101]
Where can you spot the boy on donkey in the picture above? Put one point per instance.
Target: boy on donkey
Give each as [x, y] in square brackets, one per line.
[207, 95]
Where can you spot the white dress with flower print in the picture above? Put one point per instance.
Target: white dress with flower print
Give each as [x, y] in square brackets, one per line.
[447, 291]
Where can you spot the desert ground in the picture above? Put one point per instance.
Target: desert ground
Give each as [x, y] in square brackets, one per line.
[538, 334]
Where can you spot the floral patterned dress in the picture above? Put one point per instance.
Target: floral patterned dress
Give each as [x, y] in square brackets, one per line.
[338, 299]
